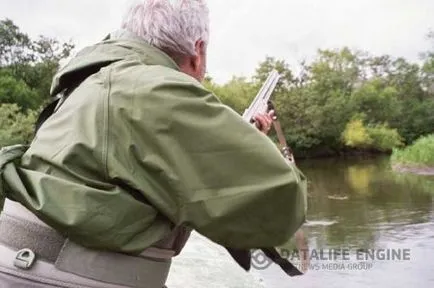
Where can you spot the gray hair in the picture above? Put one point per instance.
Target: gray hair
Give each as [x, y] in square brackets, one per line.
[173, 25]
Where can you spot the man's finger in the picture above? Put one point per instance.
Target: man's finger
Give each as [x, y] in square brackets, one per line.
[272, 114]
[260, 122]
[263, 122]
[267, 121]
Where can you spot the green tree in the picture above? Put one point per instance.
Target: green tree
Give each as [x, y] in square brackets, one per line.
[13, 90]
[264, 68]
[377, 100]
[336, 70]
[237, 93]
[31, 63]
[15, 46]
[428, 67]
[328, 83]
[406, 78]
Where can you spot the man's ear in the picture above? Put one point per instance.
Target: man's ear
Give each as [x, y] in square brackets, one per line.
[200, 55]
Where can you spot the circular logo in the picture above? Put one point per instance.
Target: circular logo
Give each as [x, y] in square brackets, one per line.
[260, 261]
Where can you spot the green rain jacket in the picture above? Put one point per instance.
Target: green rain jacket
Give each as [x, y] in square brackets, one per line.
[139, 148]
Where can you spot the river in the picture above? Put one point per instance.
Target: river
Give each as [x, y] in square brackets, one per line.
[359, 210]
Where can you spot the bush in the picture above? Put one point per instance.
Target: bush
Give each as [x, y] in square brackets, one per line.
[16, 127]
[384, 138]
[16, 91]
[356, 135]
[376, 137]
[420, 153]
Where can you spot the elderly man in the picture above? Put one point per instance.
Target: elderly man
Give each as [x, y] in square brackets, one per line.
[136, 155]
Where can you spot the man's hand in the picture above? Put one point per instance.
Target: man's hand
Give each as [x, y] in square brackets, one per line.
[264, 121]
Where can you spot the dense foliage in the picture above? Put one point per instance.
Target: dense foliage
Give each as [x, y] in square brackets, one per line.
[16, 127]
[26, 70]
[375, 137]
[346, 101]
[342, 101]
[419, 154]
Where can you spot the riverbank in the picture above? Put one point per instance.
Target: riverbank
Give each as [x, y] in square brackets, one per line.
[339, 154]
[414, 169]
[417, 158]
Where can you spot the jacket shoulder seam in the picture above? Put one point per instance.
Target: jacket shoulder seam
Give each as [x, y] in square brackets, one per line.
[106, 119]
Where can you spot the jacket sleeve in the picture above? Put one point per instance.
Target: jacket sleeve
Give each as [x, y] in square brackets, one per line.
[203, 166]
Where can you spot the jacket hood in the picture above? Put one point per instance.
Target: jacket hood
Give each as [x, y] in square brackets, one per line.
[119, 45]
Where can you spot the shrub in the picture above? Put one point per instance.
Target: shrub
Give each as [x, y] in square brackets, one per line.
[356, 135]
[375, 137]
[15, 127]
[384, 138]
[420, 153]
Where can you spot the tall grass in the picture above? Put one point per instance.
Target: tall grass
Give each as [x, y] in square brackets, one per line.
[421, 153]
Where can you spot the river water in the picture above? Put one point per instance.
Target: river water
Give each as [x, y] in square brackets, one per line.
[368, 227]
[359, 211]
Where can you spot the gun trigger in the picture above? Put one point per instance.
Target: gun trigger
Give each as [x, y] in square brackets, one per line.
[270, 105]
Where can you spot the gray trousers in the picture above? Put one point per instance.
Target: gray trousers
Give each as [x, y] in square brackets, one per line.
[42, 274]
[58, 262]
[9, 281]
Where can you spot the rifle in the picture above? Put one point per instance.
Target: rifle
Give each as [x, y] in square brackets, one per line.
[262, 104]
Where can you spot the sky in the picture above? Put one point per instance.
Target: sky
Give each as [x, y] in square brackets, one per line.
[244, 32]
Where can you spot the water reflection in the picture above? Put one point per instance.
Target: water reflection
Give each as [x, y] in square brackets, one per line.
[377, 199]
[363, 204]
